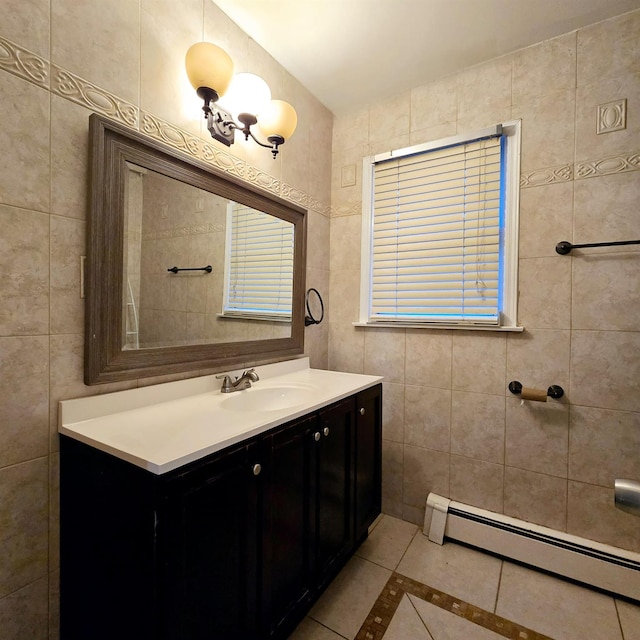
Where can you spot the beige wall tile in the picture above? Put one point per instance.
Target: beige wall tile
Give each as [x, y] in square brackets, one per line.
[593, 146]
[546, 218]
[345, 242]
[165, 37]
[316, 345]
[484, 94]
[66, 375]
[23, 613]
[25, 266]
[318, 240]
[434, 104]
[479, 362]
[24, 163]
[606, 294]
[29, 29]
[428, 358]
[425, 471]
[603, 445]
[390, 118]
[69, 158]
[544, 293]
[592, 514]
[320, 157]
[392, 477]
[535, 497]
[24, 411]
[540, 116]
[606, 210]
[539, 358]
[608, 49]
[393, 411]
[478, 426]
[67, 245]
[427, 417]
[342, 285]
[605, 370]
[351, 131]
[537, 436]
[24, 522]
[437, 132]
[544, 68]
[384, 351]
[78, 31]
[477, 483]
[346, 348]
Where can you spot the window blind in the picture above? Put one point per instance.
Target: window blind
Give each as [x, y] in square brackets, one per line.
[436, 236]
[260, 264]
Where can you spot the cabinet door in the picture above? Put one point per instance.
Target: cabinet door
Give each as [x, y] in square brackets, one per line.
[334, 488]
[211, 538]
[368, 459]
[287, 567]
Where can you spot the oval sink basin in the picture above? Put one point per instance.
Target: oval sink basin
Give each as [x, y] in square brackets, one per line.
[269, 398]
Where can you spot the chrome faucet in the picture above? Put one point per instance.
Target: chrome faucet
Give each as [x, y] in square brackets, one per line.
[243, 382]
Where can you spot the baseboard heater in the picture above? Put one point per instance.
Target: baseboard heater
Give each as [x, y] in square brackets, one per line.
[599, 565]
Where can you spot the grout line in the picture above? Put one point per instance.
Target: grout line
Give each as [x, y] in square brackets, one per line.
[409, 598]
[495, 604]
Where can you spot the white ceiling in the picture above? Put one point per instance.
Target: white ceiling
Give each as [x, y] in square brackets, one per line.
[348, 53]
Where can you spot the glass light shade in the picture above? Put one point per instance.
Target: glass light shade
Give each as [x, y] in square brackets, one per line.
[209, 66]
[279, 119]
[247, 93]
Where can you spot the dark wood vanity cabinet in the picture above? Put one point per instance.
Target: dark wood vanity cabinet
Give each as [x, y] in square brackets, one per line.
[236, 546]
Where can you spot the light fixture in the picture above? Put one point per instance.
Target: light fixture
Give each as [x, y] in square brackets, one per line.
[247, 99]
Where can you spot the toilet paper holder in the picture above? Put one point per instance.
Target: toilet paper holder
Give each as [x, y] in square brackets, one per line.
[554, 391]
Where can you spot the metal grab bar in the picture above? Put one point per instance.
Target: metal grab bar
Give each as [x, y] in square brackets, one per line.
[565, 247]
[208, 269]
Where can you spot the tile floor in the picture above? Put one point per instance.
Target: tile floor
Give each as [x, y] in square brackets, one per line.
[400, 586]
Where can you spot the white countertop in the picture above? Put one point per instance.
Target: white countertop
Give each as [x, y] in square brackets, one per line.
[165, 426]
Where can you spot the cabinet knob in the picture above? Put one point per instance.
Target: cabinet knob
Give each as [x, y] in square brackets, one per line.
[362, 411]
[256, 469]
[326, 431]
[316, 436]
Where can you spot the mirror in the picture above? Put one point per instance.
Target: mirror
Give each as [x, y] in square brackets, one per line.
[187, 267]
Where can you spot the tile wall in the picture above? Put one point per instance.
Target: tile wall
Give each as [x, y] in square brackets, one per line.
[450, 424]
[61, 60]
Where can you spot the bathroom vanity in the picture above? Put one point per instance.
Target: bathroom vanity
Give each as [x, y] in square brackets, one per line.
[189, 514]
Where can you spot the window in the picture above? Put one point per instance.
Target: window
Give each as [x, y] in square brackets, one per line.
[258, 265]
[440, 233]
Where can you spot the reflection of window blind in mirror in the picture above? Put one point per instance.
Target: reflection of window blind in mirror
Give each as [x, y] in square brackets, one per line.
[436, 235]
[259, 269]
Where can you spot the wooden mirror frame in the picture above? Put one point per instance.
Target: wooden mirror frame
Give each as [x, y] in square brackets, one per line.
[111, 147]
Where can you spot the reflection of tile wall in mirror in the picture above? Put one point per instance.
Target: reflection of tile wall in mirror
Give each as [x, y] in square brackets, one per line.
[170, 223]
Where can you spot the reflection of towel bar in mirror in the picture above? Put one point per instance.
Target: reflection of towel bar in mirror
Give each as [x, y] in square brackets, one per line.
[208, 269]
[565, 247]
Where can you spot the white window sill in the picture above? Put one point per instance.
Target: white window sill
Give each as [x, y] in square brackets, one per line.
[461, 327]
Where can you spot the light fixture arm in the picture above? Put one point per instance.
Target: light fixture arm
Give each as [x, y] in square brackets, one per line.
[222, 127]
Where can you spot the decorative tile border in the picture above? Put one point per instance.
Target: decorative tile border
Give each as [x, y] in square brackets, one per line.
[548, 175]
[353, 209]
[382, 612]
[72, 87]
[23, 63]
[608, 166]
[170, 134]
